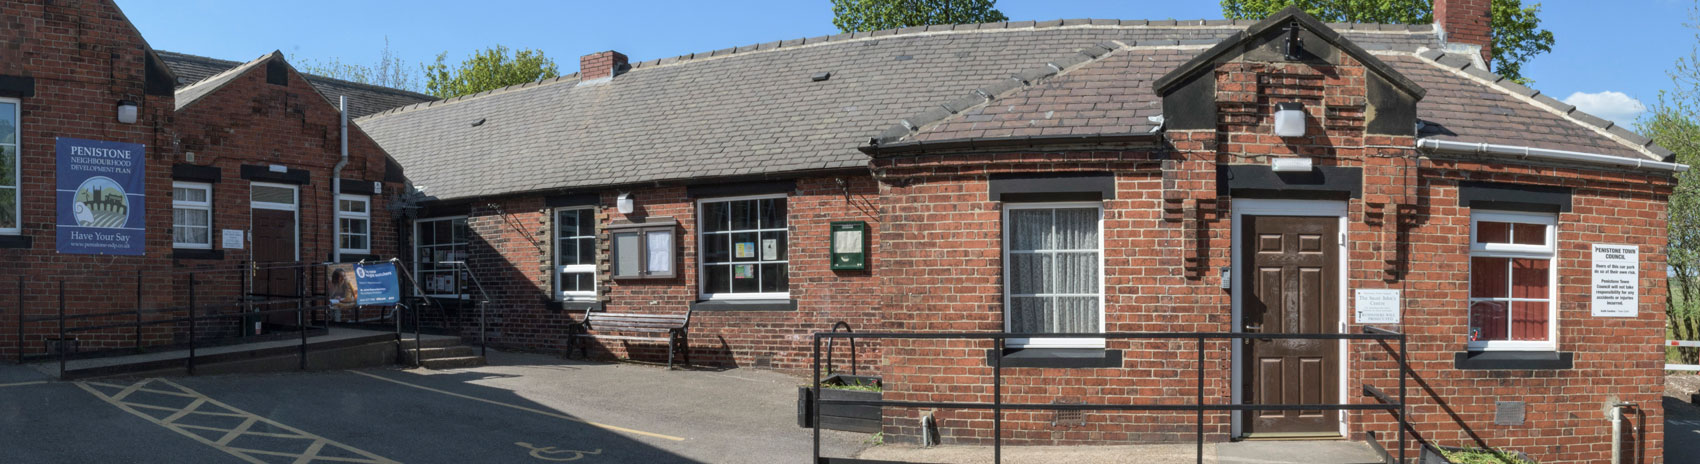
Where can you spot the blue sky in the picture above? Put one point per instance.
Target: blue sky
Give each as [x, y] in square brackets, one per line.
[1602, 47]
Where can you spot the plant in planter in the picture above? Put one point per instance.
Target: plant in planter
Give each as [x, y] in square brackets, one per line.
[1447, 454]
[853, 418]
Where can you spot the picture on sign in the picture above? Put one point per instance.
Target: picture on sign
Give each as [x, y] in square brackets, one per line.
[1376, 306]
[1617, 280]
[744, 250]
[100, 197]
[769, 249]
[744, 271]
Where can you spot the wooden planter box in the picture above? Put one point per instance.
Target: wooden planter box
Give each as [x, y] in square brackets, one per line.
[865, 419]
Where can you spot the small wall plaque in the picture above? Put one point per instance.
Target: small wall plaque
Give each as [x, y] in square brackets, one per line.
[1508, 413]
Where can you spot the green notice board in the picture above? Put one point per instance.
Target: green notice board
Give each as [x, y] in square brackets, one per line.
[849, 245]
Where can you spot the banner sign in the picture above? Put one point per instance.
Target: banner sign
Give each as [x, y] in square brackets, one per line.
[1617, 280]
[100, 197]
[377, 284]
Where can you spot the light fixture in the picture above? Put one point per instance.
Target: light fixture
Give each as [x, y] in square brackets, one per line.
[126, 112]
[1290, 164]
[1290, 119]
[625, 203]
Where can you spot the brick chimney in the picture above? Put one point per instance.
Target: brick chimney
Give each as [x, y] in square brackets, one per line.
[602, 65]
[1465, 23]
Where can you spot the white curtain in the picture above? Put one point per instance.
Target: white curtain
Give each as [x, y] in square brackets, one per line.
[1054, 276]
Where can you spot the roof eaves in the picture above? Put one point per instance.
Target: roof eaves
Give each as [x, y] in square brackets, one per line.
[1201, 63]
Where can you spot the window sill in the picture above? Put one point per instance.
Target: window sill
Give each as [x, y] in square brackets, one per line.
[16, 241]
[192, 253]
[1513, 360]
[745, 305]
[1067, 358]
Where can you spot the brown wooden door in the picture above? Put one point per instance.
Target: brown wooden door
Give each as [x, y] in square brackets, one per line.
[274, 246]
[1291, 280]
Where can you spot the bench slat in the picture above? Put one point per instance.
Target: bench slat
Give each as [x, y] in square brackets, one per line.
[632, 329]
[622, 337]
[641, 321]
[596, 315]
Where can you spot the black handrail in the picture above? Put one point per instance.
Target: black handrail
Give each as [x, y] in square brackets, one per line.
[484, 300]
[998, 406]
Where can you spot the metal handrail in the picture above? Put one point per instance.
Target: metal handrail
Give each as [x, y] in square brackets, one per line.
[483, 301]
[997, 406]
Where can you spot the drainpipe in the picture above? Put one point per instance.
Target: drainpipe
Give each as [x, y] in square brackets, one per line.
[336, 184]
[1617, 431]
[1448, 146]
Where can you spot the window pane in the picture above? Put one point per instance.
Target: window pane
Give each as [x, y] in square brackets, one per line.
[267, 194]
[716, 248]
[1529, 278]
[660, 253]
[1029, 273]
[628, 254]
[458, 230]
[1487, 321]
[567, 223]
[427, 233]
[773, 213]
[1029, 229]
[353, 226]
[714, 217]
[8, 161]
[1029, 314]
[773, 278]
[1077, 229]
[353, 242]
[717, 278]
[743, 214]
[745, 247]
[586, 250]
[195, 195]
[587, 281]
[1493, 232]
[745, 278]
[569, 281]
[8, 122]
[569, 252]
[8, 207]
[586, 222]
[1529, 234]
[196, 235]
[445, 231]
[1075, 314]
[1076, 273]
[772, 246]
[352, 206]
[1529, 320]
[1489, 277]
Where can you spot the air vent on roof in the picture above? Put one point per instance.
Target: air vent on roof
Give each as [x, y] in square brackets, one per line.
[477, 123]
[904, 58]
[820, 76]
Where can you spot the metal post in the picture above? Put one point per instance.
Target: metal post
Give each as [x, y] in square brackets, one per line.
[1200, 399]
[1403, 407]
[242, 303]
[997, 399]
[301, 311]
[483, 329]
[62, 345]
[418, 347]
[814, 400]
[20, 319]
[138, 310]
[191, 323]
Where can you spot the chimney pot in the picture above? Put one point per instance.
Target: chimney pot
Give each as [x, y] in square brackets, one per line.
[1466, 22]
[600, 65]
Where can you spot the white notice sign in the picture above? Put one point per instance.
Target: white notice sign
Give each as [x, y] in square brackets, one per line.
[1617, 280]
[232, 239]
[1376, 306]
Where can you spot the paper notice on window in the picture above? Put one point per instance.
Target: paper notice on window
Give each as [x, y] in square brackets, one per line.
[769, 249]
[1376, 306]
[1617, 280]
[232, 239]
[744, 250]
[744, 271]
[847, 241]
[660, 252]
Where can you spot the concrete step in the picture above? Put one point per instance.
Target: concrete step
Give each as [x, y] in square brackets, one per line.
[454, 363]
[457, 351]
[434, 341]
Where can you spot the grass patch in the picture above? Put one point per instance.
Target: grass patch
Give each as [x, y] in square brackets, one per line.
[870, 387]
[1481, 456]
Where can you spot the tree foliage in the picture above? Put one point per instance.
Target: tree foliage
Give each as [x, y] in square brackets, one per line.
[873, 15]
[489, 69]
[1674, 123]
[390, 70]
[1517, 32]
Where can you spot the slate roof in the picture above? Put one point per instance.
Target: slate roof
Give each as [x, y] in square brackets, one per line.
[363, 99]
[754, 111]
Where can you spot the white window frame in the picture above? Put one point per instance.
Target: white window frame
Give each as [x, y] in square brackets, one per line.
[596, 281]
[179, 203]
[702, 264]
[1548, 252]
[417, 273]
[365, 215]
[1042, 342]
[17, 167]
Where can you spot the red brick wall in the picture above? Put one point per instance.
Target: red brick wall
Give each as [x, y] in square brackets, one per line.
[84, 58]
[512, 246]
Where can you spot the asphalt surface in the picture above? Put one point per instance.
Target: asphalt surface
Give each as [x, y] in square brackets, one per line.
[1682, 431]
[522, 408]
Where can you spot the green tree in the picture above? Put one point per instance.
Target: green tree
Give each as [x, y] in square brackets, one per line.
[1674, 123]
[873, 15]
[489, 69]
[1517, 32]
[390, 70]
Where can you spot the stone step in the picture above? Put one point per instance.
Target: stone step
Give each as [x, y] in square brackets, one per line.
[430, 342]
[457, 351]
[454, 363]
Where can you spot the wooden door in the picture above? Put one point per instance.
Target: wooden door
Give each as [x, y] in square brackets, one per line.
[274, 246]
[1291, 280]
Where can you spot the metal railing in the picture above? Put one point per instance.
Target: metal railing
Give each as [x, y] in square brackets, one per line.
[998, 406]
[1682, 344]
[483, 301]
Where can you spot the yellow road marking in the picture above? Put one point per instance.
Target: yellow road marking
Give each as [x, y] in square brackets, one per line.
[20, 384]
[526, 409]
[314, 443]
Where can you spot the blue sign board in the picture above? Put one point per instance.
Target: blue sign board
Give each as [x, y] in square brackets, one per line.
[377, 284]
[101, 191]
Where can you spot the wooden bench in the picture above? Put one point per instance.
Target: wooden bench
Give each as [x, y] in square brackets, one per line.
[670, 328]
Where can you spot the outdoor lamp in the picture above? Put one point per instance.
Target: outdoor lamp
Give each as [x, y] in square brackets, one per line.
[625, 203]
[126, 112]
[1290, 119]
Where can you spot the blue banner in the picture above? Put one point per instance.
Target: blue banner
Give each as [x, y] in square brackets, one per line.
[101, 197]
[376, 284]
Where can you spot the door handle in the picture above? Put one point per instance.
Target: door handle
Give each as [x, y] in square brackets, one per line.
[1254, 328]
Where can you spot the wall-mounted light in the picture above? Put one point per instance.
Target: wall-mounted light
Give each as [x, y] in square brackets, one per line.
[1290, 164]
[625, 203]
[1290, 119]
[126, 112]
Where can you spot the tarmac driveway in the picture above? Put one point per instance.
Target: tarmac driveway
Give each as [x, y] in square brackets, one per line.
[522, 408]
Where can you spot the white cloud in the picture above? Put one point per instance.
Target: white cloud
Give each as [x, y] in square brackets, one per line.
[1613, 106]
